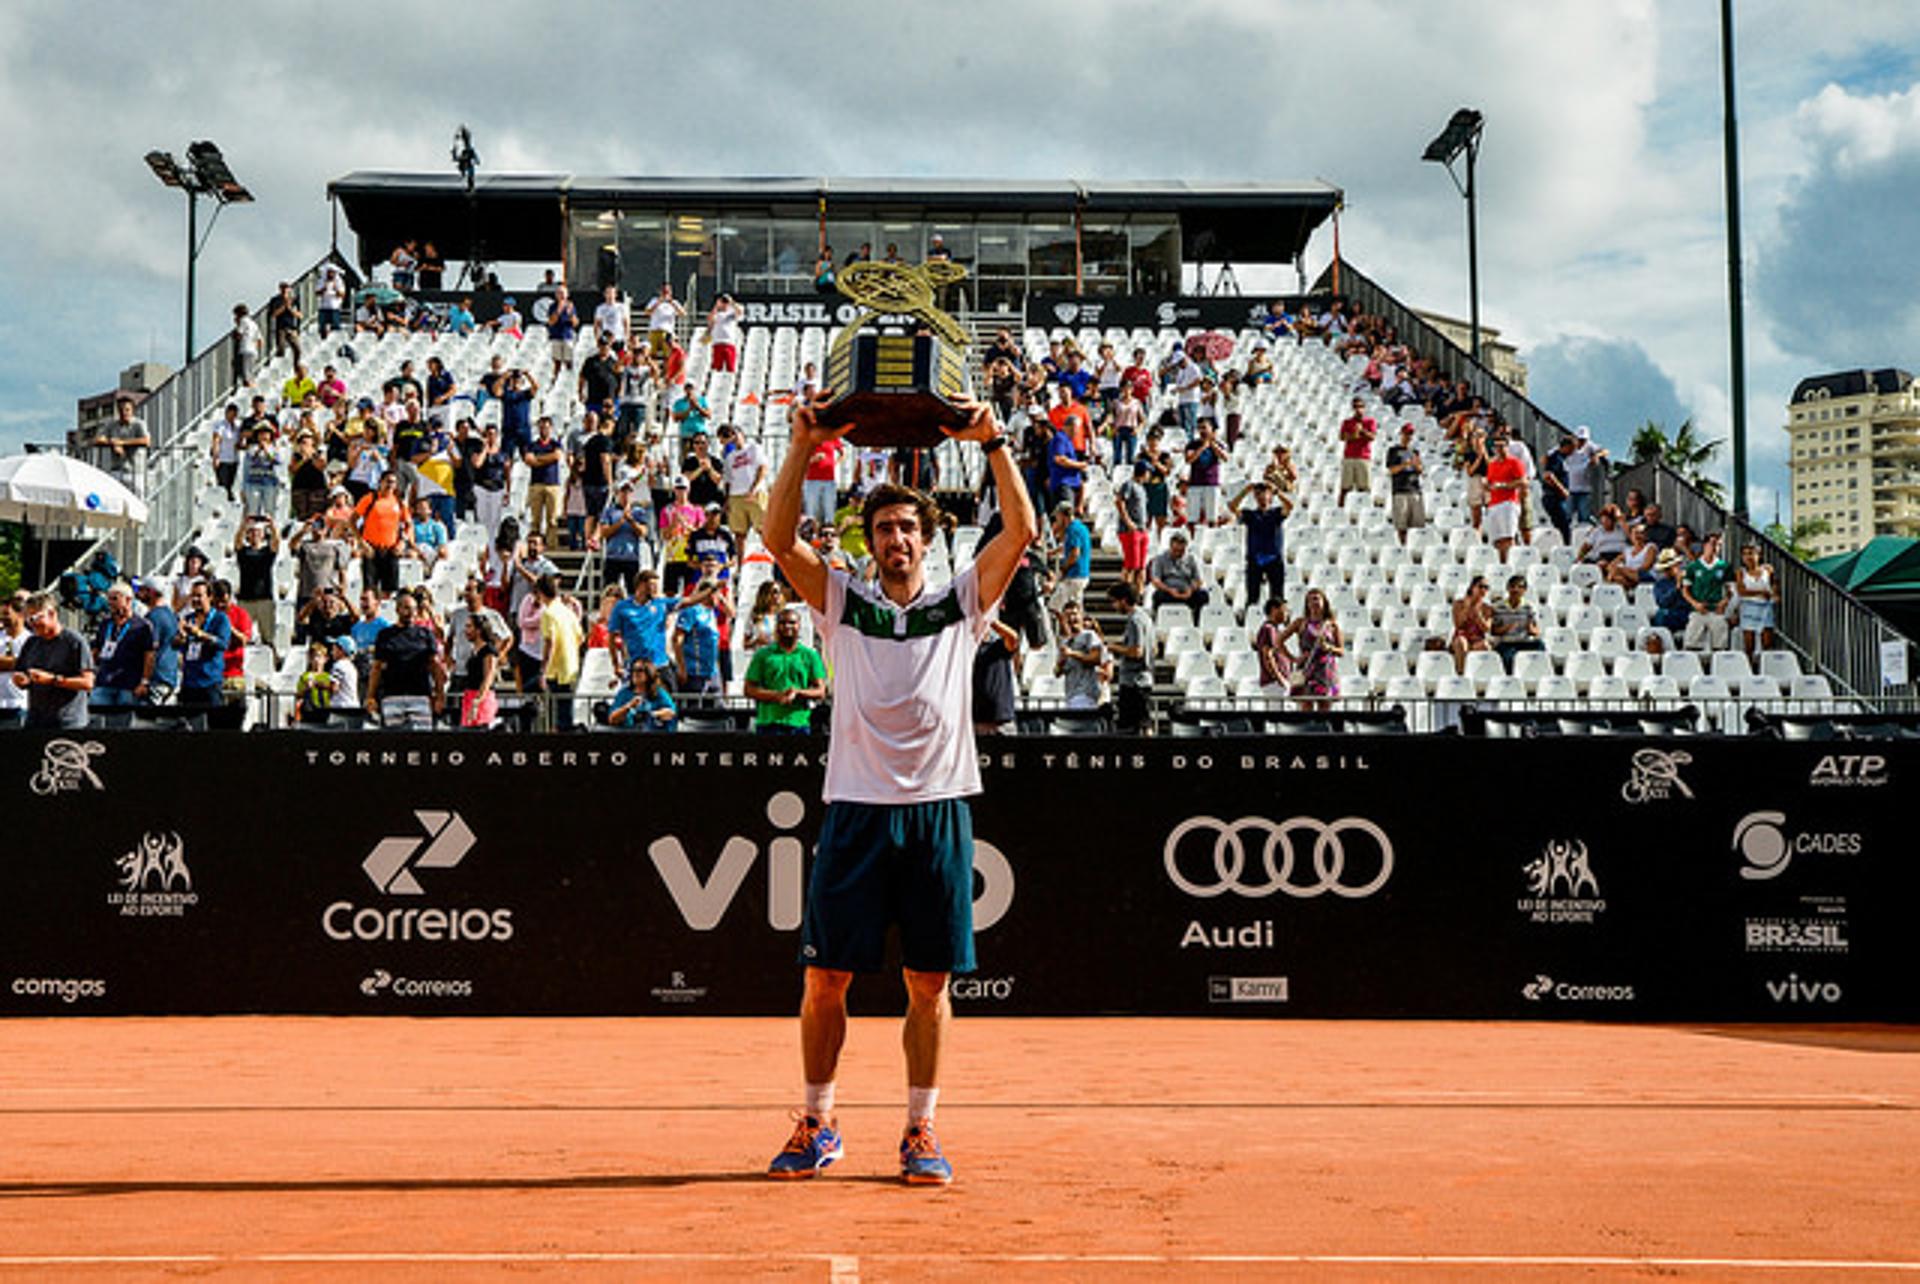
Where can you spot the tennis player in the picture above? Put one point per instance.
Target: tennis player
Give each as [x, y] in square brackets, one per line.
[896, 846]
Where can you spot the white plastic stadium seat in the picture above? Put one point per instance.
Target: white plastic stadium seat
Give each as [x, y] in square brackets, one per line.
[1532, 667]
[1682, 666]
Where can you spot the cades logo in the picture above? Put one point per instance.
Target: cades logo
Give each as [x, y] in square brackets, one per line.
[704, 902]
[1849, 771]
[390, 868]
[1762, 840]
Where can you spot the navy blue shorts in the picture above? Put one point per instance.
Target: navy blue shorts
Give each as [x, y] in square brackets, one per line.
[880, 866]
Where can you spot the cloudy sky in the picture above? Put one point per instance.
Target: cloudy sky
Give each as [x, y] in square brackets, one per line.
[1602, 253]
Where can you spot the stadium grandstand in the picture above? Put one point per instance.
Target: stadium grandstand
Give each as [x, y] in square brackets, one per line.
[1512, 581]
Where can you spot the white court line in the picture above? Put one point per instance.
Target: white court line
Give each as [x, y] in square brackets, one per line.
[845, 1269]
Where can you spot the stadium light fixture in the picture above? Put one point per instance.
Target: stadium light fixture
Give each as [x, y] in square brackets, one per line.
[205, 174]
[1462, 136]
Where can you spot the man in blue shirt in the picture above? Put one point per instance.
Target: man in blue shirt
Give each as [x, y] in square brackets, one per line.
[165, 625]
[122, 653]
[1076, 557]
[623, 524]
[516, 412]
[691, 411]
[697, 638]
[202, 641]
[1066, 471]
[637, 628]
[1074, 377]
[1266, 540]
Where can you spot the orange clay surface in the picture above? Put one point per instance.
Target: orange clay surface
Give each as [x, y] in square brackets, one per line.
[280, 1148]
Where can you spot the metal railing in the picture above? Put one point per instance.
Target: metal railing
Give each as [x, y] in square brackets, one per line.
[1834, 629]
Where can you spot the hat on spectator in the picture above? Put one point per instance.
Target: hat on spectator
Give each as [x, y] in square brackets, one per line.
[715, 508]
[508, 300]
[146, 583]
[1141, 468]
[1668, 559]
[366, 403]
[679, 483]
[1583, 432]
[346, 644]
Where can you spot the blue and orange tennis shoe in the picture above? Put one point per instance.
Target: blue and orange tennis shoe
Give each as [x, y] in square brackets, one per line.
[812, 1147]
[921, 1163]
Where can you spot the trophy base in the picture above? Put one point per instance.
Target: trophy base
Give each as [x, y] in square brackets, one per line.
[914, 419]
[895, 389]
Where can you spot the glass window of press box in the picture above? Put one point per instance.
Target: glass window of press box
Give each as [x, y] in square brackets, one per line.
[1006, 258]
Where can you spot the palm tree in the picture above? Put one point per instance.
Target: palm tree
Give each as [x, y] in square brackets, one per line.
[1684, 452]
[1795, 538]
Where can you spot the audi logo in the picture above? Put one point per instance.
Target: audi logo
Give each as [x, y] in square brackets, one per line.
[1278, 857]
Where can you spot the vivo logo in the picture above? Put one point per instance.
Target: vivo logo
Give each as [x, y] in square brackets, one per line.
[1794, 990]
[704, 902]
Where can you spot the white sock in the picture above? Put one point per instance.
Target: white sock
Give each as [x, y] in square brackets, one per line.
[820, 1099]
[920, 1104]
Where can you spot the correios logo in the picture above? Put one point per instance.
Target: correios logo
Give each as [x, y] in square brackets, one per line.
[704, 902]
[1763, 842]
[390, 867]
[1544, 987]
[381, 981]
[1850, 770]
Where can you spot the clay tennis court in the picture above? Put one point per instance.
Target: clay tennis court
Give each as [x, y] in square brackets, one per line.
[319, 1149]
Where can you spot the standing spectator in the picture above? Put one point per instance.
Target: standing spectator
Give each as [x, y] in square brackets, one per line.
[678, 519]
[1506, 477]
[381, 517]
[1066, 468]
[516, 414]
[1282, 474]
[1473, 462]
[1133, 676]
[706, 475]
[1130, 509]
[283, 315]
[52, 665]
[1516, 625]
[560, 637]
[1081, 659]
[1187, 379]
[610, 321]
[1266, 538]
[784, 679]
[123, 654]
[307, 476]
[1706, 587]
[639, 376]
[225, 449]
[1357, 432]
[643, 701]
[345, 672]
[329, 298]
[1757, 598]
[1556, 493]
[746, 471]
[125, 442]
[690, 412]
[320, 554]
[1276, 662]
[663, 313]
[599, 383]
[407, 686]
[563, 326]
[426, 537]
[13, 636]
[489, 468]
[1205, 455]
[1519, 450]
[1128, 415]
[203, 640]
[246, 346]
[1581, 463]
[1175, 576]
[621, 531]
[1405, 468]
[723, 334]
[441, 387]
[820, 491]
[597, 456]
[260, 477]
[1321, 647]
[1472, 623]
[256, 547]
[696, 640]
[164, 624]
[299, 386]
[432, 267]
[545, 491]
[1076, 559]
[242, 634]
[637, 628]
[995, 711]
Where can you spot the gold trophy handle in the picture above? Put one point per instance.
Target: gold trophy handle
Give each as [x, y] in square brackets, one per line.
[898, 289]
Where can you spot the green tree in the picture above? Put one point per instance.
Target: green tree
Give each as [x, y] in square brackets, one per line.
[12, 540]
[1685, 452]
[1795, 538]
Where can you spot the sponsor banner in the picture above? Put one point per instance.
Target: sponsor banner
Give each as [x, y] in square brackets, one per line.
[619, 875]
[1147, 312]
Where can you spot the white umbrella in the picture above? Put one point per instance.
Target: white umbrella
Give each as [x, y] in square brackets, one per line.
[59, 490]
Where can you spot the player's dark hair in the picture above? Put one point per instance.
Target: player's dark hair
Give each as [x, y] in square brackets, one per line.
[888, 495]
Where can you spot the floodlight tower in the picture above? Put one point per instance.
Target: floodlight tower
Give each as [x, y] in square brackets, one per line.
[204, 174]
[1462, 134]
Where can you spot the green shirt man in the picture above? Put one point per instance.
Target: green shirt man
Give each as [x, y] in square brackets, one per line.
[785, 679]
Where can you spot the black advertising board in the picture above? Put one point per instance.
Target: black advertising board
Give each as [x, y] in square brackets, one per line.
[1130, 311]
[345, 873]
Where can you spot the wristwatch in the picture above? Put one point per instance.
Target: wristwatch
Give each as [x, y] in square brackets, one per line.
[996, 442]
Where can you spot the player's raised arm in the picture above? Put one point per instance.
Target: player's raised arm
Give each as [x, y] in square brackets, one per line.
[1000, 558]
[801, 565]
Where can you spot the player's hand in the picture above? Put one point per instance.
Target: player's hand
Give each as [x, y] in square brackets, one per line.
[981, 424]
[808, 432]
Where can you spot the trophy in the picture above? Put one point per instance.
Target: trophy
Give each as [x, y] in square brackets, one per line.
[897, 389]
